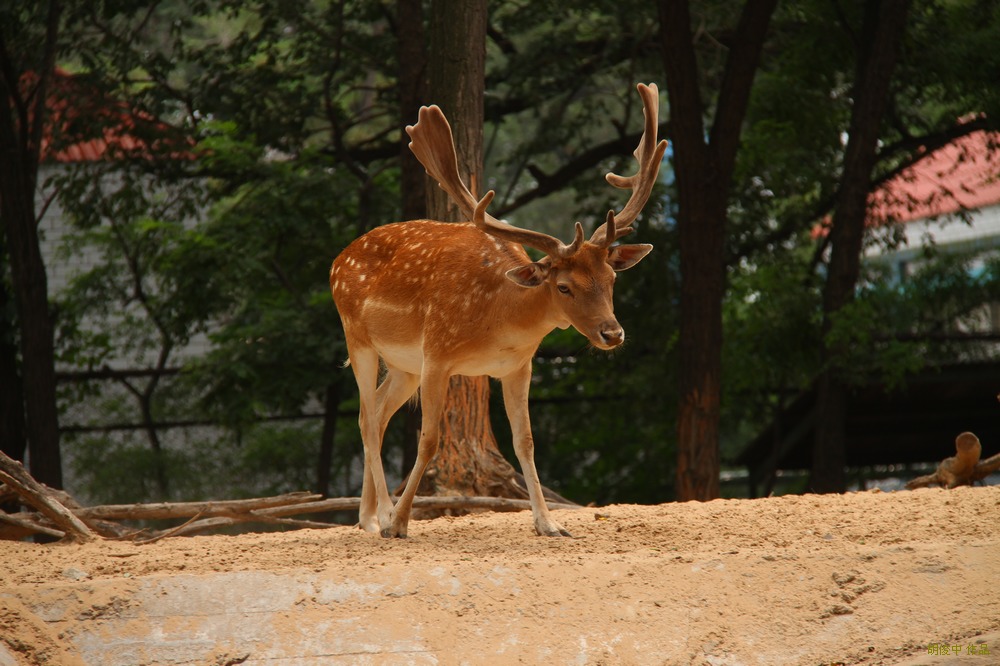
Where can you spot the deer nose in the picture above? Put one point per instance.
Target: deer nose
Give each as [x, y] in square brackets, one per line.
[612, 335]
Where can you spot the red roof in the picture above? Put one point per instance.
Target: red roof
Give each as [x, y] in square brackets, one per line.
[963, 174]
[84, 126]
[93, 150]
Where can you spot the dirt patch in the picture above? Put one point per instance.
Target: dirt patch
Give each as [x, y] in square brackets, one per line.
[864, 578]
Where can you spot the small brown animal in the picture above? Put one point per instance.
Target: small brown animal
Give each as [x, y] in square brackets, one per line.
[962, 469]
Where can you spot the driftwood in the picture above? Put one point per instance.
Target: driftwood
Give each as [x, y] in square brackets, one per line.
[60, 517]
[272, 512]
[17, 527]
[161, 510]
[962, 469]
[13, 474]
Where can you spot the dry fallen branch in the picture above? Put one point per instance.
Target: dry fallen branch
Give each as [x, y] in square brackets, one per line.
[19, 527]
[962, 469]
[167, 510]
[199, 525]
[167, 533]
[14, 475]
[200, 516]
[275, 515]
[458, 503]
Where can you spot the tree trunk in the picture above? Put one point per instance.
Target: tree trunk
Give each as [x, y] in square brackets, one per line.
[468, 461]
[37, 353]
[884, 23]
[456, 67]
[703, 171]
[325, 459]
[412, 90]
[20, 140]
[13, 440]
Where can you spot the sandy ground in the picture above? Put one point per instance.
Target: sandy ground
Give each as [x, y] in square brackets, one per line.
[864, 578]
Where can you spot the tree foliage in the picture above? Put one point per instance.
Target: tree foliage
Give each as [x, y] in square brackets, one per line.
[276, 140]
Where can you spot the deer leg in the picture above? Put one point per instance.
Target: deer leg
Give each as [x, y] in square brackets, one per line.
[376, 505]
[515, 402]
[396, 388]
[433, 388]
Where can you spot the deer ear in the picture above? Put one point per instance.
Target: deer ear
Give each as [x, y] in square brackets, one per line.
[622, 257]
[529, 275]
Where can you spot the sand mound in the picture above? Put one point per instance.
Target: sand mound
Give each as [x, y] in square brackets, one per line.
[864, 578]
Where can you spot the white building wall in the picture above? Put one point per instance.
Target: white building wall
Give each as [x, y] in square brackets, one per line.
[978, 232]
[63, 266]
[949, 233]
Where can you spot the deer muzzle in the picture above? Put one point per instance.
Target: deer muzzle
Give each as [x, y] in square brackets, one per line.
[611, 335]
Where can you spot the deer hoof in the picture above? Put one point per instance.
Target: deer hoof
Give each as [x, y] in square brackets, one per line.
[368, 526]
[394, 531]
[553, 531]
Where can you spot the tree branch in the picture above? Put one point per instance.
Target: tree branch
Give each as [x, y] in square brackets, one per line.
[209, 515]
[557, 180]
[14, 475]
[737, 80]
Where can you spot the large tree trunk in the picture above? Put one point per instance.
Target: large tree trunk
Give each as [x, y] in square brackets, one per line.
[13, 440]
[468, 461]
[456, 67]
[410, 50]
[31, 295]
[412, 90]
[703, 171]
[331, 400]
[20, 141]
[883, 28]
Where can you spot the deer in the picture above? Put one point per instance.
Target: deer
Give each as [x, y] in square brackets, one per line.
[428, 300]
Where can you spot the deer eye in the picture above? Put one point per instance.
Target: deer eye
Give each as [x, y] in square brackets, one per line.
[563, 289]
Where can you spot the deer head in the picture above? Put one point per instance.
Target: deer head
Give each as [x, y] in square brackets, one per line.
[580, 275]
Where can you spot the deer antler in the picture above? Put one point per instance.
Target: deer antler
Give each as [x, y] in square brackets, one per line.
[547, 244]
[432, 143]
[649, 154]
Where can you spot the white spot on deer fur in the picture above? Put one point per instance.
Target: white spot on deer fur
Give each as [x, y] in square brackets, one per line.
[361, 278]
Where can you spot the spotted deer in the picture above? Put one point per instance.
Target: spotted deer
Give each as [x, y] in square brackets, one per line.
[436, 299]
